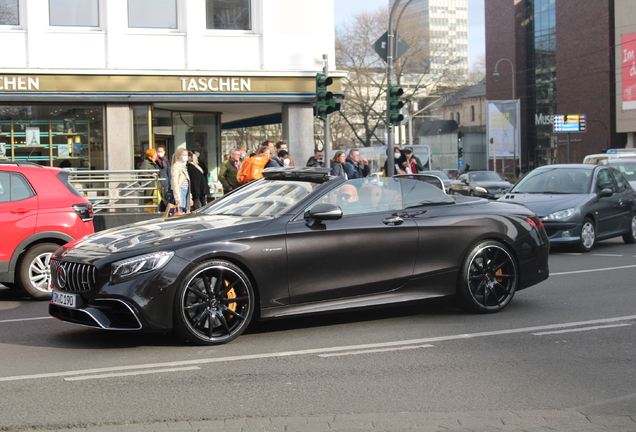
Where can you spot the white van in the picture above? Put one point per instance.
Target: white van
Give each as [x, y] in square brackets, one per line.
[610, 154]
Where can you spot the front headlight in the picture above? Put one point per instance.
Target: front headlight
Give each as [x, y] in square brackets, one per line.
[135, 266]
[481, 189]
[561, 214]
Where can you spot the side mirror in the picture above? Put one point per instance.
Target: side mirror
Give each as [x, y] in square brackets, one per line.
[605, 193]
[321, 212]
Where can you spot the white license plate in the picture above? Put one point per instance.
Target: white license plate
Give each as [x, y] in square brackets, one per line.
[64, 299]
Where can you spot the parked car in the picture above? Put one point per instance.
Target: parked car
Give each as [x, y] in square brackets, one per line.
[610, 154]
[627, 166]
[445, 179]
[451, 173]
[299, 241]
[39, 211]
[483, 184]
[579, 204]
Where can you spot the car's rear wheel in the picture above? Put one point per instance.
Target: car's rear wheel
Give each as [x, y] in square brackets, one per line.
[587, 237]
[488, 278]
[630, 236]
[214, 304]
[472, 193]
[34, 272]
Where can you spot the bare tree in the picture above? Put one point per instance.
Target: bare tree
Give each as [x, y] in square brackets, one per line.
[365, 86]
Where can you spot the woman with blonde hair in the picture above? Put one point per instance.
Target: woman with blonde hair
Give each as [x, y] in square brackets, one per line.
[180, 180]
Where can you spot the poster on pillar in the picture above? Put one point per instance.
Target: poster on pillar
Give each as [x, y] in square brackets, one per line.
[628, 62]
[503, 129]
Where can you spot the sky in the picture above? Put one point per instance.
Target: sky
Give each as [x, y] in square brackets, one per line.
[345, 10]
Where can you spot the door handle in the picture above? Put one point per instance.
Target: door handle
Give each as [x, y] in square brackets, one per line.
[19, 210]
[393, 220]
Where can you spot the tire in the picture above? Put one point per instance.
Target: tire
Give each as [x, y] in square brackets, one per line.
[34, 272]
[488, 278]
[472, 193]
[214, 304]
[630, 236]
[587, 236]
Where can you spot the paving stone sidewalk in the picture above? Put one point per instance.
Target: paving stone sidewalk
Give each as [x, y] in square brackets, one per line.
[526, 421]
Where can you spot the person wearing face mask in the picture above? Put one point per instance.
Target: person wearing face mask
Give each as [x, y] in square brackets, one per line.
[163, 164]
[316, 160]
[399, 159]
[180, 180]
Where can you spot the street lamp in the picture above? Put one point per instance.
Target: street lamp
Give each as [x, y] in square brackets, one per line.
[496, 74]
[512, 66]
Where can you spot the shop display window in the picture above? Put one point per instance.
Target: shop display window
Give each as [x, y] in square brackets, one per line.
[61, 136]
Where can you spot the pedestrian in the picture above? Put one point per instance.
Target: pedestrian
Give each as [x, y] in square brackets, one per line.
[283, 155]
[180, 180]
[354, 167]
[337, 165]
[316, 160]
[272, 152]
[163, 164]
[199, 188]
[252, 167]
[147, 179]
[282, 145]
[229, 169]
[414, 164]
[399, 160]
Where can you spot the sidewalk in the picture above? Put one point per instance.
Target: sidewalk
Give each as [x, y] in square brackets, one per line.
[526, 421]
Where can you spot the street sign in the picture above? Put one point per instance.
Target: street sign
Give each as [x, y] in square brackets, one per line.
[381, 47]
[569, 123]
[461, 163]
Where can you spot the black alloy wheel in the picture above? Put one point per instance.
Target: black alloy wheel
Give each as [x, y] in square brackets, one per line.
[488, 278]
[214, 305]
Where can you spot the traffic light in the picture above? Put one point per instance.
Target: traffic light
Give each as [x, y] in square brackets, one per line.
[460, 152]
[325, 103]
[459, 135]
[395, 105]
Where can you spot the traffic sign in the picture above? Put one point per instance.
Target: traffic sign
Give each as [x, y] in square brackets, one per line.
[381, 47]
[461, 163]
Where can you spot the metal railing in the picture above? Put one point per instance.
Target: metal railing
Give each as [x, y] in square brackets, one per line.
[119, 191]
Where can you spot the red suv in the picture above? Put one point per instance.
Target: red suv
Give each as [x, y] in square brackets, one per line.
[39, 211]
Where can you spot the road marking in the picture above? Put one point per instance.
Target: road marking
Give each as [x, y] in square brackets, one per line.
[593, 270]
[122, 374]
[317, 351]
[376, 350]
[23, 319]
[580, 329]
[608, 255]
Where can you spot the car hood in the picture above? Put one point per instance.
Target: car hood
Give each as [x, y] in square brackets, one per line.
[544, 204]
[492, 184]
[162, 233]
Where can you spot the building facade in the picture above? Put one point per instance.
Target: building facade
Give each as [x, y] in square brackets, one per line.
[560, 59]
[95, 83]
[445, 23]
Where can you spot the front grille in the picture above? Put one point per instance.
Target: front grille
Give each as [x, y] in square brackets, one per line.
[73, 277]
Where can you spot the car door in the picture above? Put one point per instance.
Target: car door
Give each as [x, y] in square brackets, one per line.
[18, 214]
[610, 210]
[460, 186]
[371, 249]
[627, 199]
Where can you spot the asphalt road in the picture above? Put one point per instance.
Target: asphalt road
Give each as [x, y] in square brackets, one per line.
[566, 345]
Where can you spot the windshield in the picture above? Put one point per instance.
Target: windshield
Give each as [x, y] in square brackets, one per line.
[628, 169]
[555, 181]
[265, 198]
[486, 176]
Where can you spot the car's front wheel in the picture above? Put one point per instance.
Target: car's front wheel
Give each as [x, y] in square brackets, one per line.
[630, 236]
[587, 237]
[214, 304]
[34, 272]
[487, 279]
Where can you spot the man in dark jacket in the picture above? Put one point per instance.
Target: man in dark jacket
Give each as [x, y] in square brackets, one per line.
[354, 167]
[316, 160]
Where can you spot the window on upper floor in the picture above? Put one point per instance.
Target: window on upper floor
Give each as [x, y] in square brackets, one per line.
[472, 113]
[9, 12]
[228, 14]
[458, 118]
[160, 14]
[74, 13]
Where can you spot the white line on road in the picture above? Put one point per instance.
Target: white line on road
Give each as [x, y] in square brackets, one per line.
[608, 255]
[376, 350]
[316, 351]
[122, 374]
[24, 319]
[593, 270]
[580, 329]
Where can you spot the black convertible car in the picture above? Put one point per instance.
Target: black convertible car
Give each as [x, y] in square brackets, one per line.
[299, 241]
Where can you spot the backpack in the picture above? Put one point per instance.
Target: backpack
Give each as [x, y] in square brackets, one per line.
[251, 168]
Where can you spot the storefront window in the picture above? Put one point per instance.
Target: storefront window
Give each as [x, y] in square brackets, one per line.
[201, 133]
[80, 13]
[163, 14]
[141, 132]
[228, 14]
[53, 135]
[9, 12]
